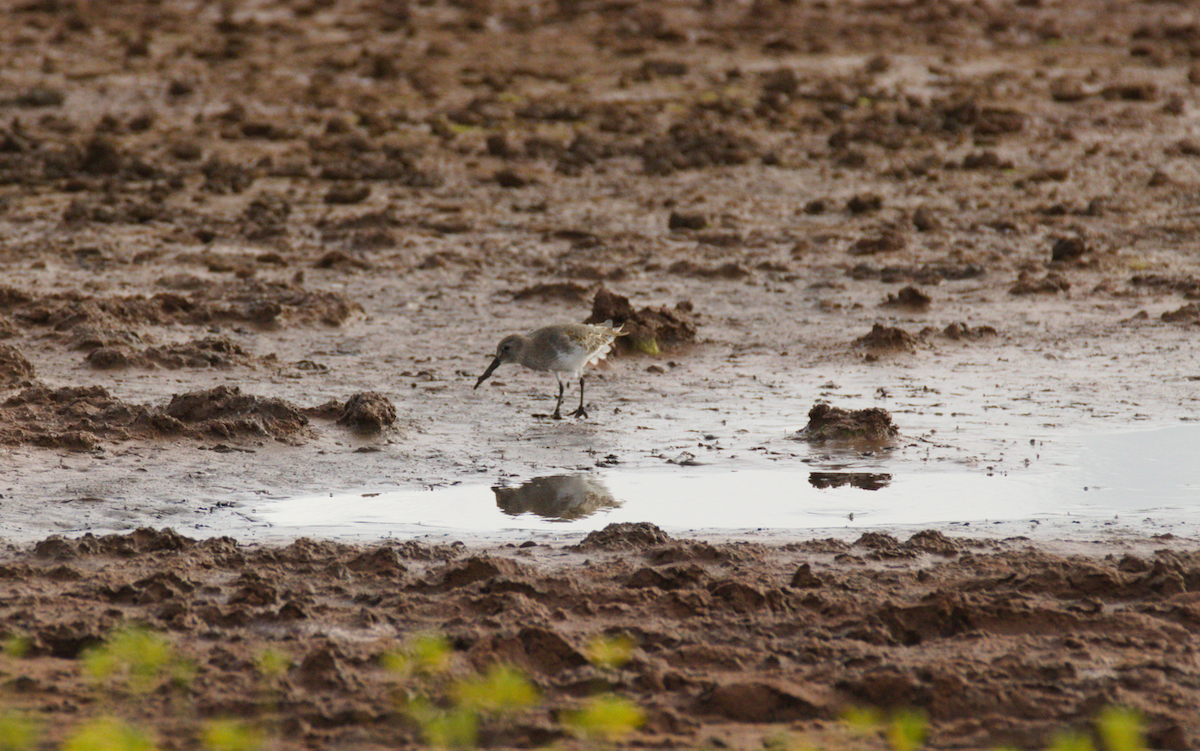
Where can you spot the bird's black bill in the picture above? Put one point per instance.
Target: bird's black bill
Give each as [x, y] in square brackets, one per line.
[495, 364]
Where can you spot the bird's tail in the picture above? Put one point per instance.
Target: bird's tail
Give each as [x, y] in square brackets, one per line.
[616, 330]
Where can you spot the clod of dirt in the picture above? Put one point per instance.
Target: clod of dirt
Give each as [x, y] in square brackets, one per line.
[864, 203]
[624, 536]
[1189, 313]
[347, 194]
[930, 274]
[985, 160]
[262, 303]
[1050, 284]
[567, 291]
[804, 578]
[1068, 249]
[695, 145]
[210, 352]
[15, 370]
[686, 221]
[225, 412]
[1188, 286]
[75, 418]
[887, 242]
[730, 270]
[829, 423]
[648, 330]
[511, 178]
[886, 339]
[924, 220]
[340, 259]
[368, 412]
[909, 297]
[88, 338]
[932, 541]
[957, 331]
[477, 569]
[768, 701]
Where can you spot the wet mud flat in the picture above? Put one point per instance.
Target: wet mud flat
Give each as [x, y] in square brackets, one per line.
[730, 644]
[263, 250]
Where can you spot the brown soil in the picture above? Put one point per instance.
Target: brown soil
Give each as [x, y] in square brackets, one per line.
[263, 249]
[733, 643]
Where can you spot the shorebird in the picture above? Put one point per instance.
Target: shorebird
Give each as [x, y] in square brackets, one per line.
[563, 349]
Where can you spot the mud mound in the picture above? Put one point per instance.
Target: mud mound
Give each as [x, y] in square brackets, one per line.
[260, 303]
[695, 145]
[81, 417]
[886, 339]
[625, 536]
[909, 298]
[1050, 284]
[959, 331]
[75, 418]
[368, 412]
[225, 412]
[647, 330]
[829, 423]
[15, 370]
[210, 352]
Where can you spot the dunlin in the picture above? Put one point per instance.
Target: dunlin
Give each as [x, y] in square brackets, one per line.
[563, 349]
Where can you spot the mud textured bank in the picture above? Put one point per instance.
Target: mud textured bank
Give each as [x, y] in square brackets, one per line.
[998, 643]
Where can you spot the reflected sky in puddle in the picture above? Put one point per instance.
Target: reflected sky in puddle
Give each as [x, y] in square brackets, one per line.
[1130, 476]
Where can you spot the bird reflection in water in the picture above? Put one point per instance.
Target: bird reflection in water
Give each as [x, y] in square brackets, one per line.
[558, 497]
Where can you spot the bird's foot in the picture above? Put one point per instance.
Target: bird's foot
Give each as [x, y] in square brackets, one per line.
[581, 412]
[556, 416]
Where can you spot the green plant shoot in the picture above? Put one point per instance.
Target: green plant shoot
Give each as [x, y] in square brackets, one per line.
[609, 718]
[502, 689]
[108, 734]
[231, 735]
[1121, 729]
[609, 652]
[18, 732]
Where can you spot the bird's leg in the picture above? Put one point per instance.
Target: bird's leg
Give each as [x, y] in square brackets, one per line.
[581, 412]
[557, 405]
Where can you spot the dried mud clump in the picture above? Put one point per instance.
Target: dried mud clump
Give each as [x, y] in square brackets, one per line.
[368, 412]
[910, 298]
[1068, 249]
[1189, 313]
[265, 304]
[829, 423]
[886, 339]
[625, 536]
[225, 412]
[1050, 284]
[648, 330]
[695, 145]
[1186, 285]
[565, 291]
[887, 242]
[74, 418]
[210, 352]
[15, 370]
[959, 331]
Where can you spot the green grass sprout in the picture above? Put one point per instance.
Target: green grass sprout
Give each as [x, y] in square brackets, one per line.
[608, 718]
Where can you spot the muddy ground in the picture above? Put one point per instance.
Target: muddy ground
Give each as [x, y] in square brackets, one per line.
[263, 249]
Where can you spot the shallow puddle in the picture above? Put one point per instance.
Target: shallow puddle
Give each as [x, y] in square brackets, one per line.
[1147, 480]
